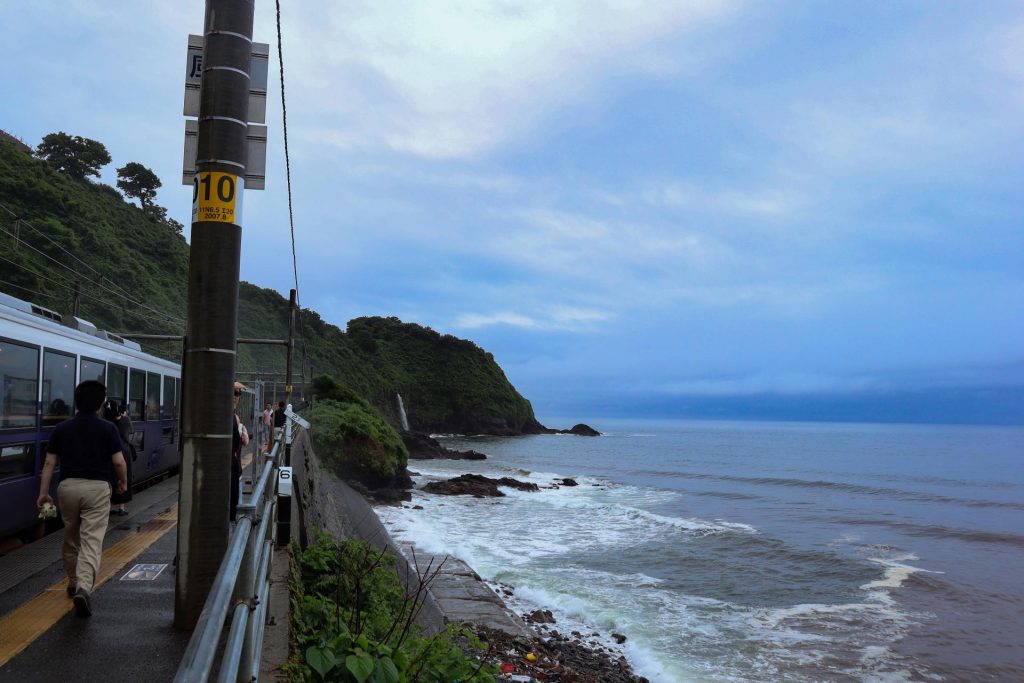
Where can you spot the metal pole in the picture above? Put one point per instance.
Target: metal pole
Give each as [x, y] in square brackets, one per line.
[76, 298]
[209, 358]
[288, 371]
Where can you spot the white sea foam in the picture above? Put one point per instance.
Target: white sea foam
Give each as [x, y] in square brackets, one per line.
[541, 542]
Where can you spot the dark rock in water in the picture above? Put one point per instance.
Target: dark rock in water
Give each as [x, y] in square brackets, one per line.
[466, 485]
[423, 447]
[390, 496]
[516, 484]
[579, 430]
[569, 482]
[584, 430]
[541, 616]
[359, 487]
[619, 638]
[476, 485]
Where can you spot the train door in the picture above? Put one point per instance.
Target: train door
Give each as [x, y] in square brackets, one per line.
[19, 470]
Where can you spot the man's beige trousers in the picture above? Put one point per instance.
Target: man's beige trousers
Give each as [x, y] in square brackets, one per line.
[85, 507]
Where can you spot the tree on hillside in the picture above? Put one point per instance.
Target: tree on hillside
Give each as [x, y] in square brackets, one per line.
[74, 155]
[160, 213]
[135, 180]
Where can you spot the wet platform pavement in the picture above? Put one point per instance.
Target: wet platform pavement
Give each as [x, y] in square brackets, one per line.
[129, 637]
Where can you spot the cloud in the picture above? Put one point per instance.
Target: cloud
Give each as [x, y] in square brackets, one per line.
[445, 79]
[471, 321]
[736, 200]
[782, 384]
[555, 318]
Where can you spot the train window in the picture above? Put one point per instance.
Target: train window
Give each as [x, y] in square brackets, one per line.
[170, 402]
[177, 396]
[58, 386]
[153, 396]
[19, 385]
[167, 437]
[117, 384]
[17, 460]
[137, 395]
[93, 369]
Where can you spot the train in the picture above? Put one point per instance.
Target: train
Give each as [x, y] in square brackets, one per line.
[43, 357]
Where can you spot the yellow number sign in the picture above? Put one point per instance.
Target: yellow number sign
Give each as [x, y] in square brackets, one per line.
[216, 197]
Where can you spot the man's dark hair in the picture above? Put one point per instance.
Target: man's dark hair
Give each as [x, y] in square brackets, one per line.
[89, 395]
[280, 404]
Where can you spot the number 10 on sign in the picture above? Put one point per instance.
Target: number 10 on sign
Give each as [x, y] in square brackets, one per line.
[216, 197]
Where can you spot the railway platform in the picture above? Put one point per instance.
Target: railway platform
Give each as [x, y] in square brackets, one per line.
[130, 635]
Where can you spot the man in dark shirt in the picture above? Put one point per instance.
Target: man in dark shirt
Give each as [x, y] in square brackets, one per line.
[279, 417]
[88, 449]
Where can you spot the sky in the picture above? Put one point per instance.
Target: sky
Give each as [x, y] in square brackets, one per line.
[706, 208]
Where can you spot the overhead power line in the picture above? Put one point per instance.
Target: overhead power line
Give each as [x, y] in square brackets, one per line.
[79, 275]
[288, 176]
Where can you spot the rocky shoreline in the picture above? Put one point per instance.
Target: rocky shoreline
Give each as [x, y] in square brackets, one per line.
[545, 654]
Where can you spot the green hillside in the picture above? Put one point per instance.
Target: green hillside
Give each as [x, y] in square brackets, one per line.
[132, 269]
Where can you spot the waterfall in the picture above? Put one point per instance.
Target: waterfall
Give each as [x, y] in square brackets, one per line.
[401, 413]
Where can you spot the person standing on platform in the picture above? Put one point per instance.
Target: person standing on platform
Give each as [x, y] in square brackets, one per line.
[88, 450]
[118, 416]
[279, 418]
[266, 425]
[239, 439]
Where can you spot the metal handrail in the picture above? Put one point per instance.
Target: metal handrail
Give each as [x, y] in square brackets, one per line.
[241, 586]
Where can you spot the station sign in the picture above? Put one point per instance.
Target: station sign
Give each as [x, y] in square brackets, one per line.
[256, 136]
[256, 148]
[258, 71]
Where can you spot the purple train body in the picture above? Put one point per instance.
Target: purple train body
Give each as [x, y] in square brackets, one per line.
[42, 358]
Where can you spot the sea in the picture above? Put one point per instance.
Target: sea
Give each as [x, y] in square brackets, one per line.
[754, 551]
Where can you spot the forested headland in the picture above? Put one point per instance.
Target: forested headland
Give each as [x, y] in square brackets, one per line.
[67, 237]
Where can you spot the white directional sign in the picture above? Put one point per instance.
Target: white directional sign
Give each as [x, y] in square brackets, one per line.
[258, 71]
[256, 138]
[255, 167]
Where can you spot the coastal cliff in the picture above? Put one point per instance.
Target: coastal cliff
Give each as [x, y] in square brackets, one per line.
[447, 384]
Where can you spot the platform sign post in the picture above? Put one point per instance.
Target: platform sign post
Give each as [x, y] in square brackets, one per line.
[284, 505]
[208, 362]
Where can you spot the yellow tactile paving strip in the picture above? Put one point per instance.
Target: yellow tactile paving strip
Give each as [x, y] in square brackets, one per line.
[22, 626]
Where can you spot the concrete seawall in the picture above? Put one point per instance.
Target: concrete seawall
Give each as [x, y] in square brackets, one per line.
[456, 594]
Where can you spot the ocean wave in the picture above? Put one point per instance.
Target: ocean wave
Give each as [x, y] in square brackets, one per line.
[699, 526]
[901, 494]
[940, 531]
[895, 575]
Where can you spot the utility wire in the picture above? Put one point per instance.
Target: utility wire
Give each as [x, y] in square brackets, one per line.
[287, 158]
[123, 292]
[166, 316]
[288, 176]
[46, 295]
[85, 294]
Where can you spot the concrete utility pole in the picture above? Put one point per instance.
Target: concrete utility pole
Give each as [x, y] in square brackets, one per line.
[288, 370]
[208, 363]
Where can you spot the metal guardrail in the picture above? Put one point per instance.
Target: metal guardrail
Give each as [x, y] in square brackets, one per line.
[241, 587]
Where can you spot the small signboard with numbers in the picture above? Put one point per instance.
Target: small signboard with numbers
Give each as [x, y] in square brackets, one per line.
[215, 198]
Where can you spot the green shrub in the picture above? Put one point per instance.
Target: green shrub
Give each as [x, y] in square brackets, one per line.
[353, 621]
[355, 442]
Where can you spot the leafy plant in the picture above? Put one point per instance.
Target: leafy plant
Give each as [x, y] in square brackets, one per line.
[352, 620]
